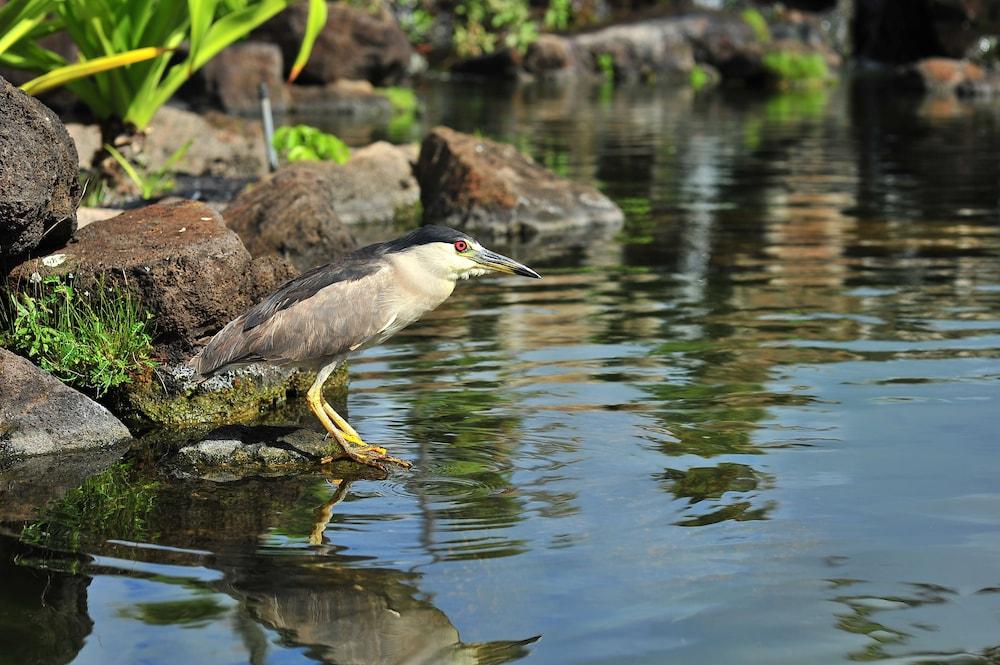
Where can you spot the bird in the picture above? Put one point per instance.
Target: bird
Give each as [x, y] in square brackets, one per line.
[314, 321]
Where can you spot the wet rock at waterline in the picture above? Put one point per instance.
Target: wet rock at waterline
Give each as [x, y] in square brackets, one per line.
[239, 451]
[39, 415]
[39, 187]
[190, 272]
[304, 211]
[492, 190]
[356, 43]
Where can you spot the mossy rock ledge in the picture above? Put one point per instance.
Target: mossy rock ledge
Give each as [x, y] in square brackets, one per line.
[172, 395]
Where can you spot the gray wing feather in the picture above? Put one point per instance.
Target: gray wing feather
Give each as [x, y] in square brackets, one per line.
[322, 314]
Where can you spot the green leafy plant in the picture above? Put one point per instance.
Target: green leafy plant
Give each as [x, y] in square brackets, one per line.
[153, 29]
[151, 183]
[415, 20]
[558, 15]
[758, 24]
[797, 69]
[482, 25]
[24, 22]
[93, 340]
[302, 143]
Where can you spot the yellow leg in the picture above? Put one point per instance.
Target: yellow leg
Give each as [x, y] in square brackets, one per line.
[364, 454]
[349, 432]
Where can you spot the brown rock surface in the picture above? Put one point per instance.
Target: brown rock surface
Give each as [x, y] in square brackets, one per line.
[355, 44]
[303, 211]
[234, 76]
[190, 271]
[491, 189]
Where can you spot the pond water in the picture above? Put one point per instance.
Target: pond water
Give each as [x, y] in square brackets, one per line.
[758, 425]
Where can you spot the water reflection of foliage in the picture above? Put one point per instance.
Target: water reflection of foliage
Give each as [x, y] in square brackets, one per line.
[191, 612]
[736, 483]
[113, 504]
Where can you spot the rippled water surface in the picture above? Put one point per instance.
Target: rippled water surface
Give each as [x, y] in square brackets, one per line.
[758, 425]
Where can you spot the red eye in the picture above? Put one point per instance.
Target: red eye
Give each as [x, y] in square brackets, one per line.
[461, 245]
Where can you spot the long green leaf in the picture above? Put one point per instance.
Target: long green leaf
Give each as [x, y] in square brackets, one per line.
[314, 25]
[64, 75]
[201, 12]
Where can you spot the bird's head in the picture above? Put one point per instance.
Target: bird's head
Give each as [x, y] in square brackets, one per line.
[454, 254]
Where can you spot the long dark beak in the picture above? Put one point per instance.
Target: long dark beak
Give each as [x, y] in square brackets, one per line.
[500, 263]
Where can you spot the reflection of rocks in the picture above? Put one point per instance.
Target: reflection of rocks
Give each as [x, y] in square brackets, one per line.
[711, 484]
[28, 485]
[39, 415]
[39, 188]
[43, 613]
[945, 77]
[491, 189]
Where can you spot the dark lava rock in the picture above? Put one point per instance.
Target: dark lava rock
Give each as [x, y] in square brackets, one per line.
[39, 415]
[355, 44]
[492, 190]
[233, 77]
[190, 271]
[39, 186]
[303, 211]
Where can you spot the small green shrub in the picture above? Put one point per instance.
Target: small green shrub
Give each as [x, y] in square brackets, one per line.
[758, 24]
[302, 143]
[482, 25]
[94, 341]
[415, 20]
[797, 69]
[558, 15]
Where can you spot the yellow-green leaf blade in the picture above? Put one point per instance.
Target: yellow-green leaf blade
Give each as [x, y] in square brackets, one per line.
[70, 73]
[314, 25]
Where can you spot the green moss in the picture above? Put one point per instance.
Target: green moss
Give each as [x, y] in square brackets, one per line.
[699, 77]
[408, 217]
[147, 403]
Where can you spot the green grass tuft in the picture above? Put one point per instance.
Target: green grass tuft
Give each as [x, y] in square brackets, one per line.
[758, 24]
[94, 341]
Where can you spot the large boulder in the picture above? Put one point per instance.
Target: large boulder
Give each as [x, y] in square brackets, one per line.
[303, 211]
[491, 189]
[39, 415]
[190, 271]
[356, 43]
[39, 186]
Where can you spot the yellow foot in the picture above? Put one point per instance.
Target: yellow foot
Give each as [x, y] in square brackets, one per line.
[374, 456]
[348, 432]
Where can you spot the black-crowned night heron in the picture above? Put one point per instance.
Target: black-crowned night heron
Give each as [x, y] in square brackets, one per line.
[315, 320]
